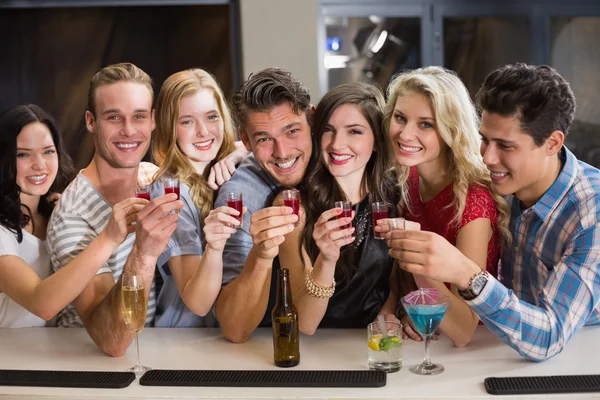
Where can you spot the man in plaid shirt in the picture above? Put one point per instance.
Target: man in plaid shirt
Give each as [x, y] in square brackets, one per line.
[549, 285]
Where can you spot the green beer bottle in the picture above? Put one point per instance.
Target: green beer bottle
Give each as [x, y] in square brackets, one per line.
[286, 337]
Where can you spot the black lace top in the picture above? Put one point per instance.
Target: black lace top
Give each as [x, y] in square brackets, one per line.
[359, 297]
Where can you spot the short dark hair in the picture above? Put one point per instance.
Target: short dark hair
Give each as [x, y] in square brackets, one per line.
[12, 123]
[266, 89]
[538, 96]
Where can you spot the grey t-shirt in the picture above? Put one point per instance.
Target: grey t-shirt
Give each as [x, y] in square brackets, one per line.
[78, 218]
[259, 190]
[188, 239]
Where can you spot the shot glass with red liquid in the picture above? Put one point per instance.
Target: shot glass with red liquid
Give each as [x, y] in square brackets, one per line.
[379, 210]
[235, 200]
[171, 185]
[346, 207]
[291, 198]
[142, 192]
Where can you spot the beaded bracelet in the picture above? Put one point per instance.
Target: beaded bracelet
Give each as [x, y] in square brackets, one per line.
[315, 290]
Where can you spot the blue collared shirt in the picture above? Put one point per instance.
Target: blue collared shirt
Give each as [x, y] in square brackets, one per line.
[550, 274]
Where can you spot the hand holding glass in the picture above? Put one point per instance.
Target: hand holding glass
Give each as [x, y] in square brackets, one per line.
[379, 210]
[346, 207]
[235, 200]
[291, 198]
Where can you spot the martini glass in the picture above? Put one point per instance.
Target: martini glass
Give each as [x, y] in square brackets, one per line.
[426, 308]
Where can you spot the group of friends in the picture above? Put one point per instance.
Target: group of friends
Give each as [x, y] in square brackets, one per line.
[498, 214]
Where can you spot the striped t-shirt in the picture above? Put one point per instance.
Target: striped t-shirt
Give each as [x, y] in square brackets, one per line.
[78, 218]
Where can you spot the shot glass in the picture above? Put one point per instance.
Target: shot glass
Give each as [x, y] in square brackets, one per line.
[171, 185]
[346, 207]
[142, 191]
[236, 200]
[385, 351]
[291, 198]
[379, 210]
[397, 224]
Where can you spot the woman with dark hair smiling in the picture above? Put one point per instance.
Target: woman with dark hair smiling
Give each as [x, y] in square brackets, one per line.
[33, 165]
[340, 273]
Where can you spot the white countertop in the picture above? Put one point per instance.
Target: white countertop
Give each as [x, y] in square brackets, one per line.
[328, 349]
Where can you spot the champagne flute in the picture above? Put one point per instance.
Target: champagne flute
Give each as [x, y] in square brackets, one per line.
[133, 309]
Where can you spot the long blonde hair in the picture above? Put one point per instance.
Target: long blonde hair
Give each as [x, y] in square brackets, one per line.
[165, 151]
[457, 123]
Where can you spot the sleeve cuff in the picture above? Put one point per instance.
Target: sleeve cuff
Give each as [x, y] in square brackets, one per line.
[178, 251]
[490, 299]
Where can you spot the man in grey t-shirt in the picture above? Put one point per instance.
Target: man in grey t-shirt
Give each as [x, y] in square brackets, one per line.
[121, 119]
[273, 113]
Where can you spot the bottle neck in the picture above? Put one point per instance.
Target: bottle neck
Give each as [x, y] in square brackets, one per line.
[284, 292]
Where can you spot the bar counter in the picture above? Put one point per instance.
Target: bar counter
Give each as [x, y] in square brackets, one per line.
[72, 349]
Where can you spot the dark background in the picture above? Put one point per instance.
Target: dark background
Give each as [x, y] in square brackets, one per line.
[49, 55]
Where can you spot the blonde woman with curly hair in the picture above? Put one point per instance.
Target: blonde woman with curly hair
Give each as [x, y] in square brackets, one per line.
[195, 142]
[443, 182]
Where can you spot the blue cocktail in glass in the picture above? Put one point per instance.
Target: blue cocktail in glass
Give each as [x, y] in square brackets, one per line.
[426, 308]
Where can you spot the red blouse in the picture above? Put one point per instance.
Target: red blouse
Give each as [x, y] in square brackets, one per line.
[436, 215]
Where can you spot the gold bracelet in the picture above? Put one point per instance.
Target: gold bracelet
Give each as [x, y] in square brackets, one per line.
[316, 290]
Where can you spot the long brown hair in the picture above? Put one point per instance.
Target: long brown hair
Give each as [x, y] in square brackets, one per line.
[165, 151]
[319, 188]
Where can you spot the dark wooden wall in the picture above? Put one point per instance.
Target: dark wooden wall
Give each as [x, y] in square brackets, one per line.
[48, 56]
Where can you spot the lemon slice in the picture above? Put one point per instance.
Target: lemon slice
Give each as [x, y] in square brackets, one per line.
[373, 345]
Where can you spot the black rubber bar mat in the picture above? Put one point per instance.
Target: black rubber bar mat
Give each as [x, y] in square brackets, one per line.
[543, 384]
[77, 379]
[158, 377]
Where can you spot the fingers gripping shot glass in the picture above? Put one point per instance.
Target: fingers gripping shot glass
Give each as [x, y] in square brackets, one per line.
[346, 207]
[235, 200]
[291, 198]
[379, 210]
[397, 224]
[426, 308]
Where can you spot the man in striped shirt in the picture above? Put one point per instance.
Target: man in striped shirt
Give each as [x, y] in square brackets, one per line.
[549, 283]
[121, 120]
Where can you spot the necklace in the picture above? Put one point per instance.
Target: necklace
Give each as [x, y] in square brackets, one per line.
[362, 223]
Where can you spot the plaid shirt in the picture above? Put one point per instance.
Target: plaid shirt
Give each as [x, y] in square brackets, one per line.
[551, 271]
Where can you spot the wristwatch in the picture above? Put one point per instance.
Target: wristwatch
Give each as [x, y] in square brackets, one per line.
[476, 285]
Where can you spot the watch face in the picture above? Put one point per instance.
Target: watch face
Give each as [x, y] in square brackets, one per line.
[478, 284]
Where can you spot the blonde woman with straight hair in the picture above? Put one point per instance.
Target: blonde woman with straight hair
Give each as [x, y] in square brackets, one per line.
[443, 182]
[194, 132]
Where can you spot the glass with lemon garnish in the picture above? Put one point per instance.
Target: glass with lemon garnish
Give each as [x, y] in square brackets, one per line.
[385, 348]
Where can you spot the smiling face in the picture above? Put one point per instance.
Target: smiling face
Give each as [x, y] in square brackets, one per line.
[413, 132]
[37, 160]
[516, 164]
[123, 123]
[347, 142]
[281, 142]
[200, 128]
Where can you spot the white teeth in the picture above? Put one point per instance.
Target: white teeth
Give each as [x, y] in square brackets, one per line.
[286, 165]
[411, 149]
[126, 145]
[203, 144]
[340, 158]
[37, 177]
[498, 174]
